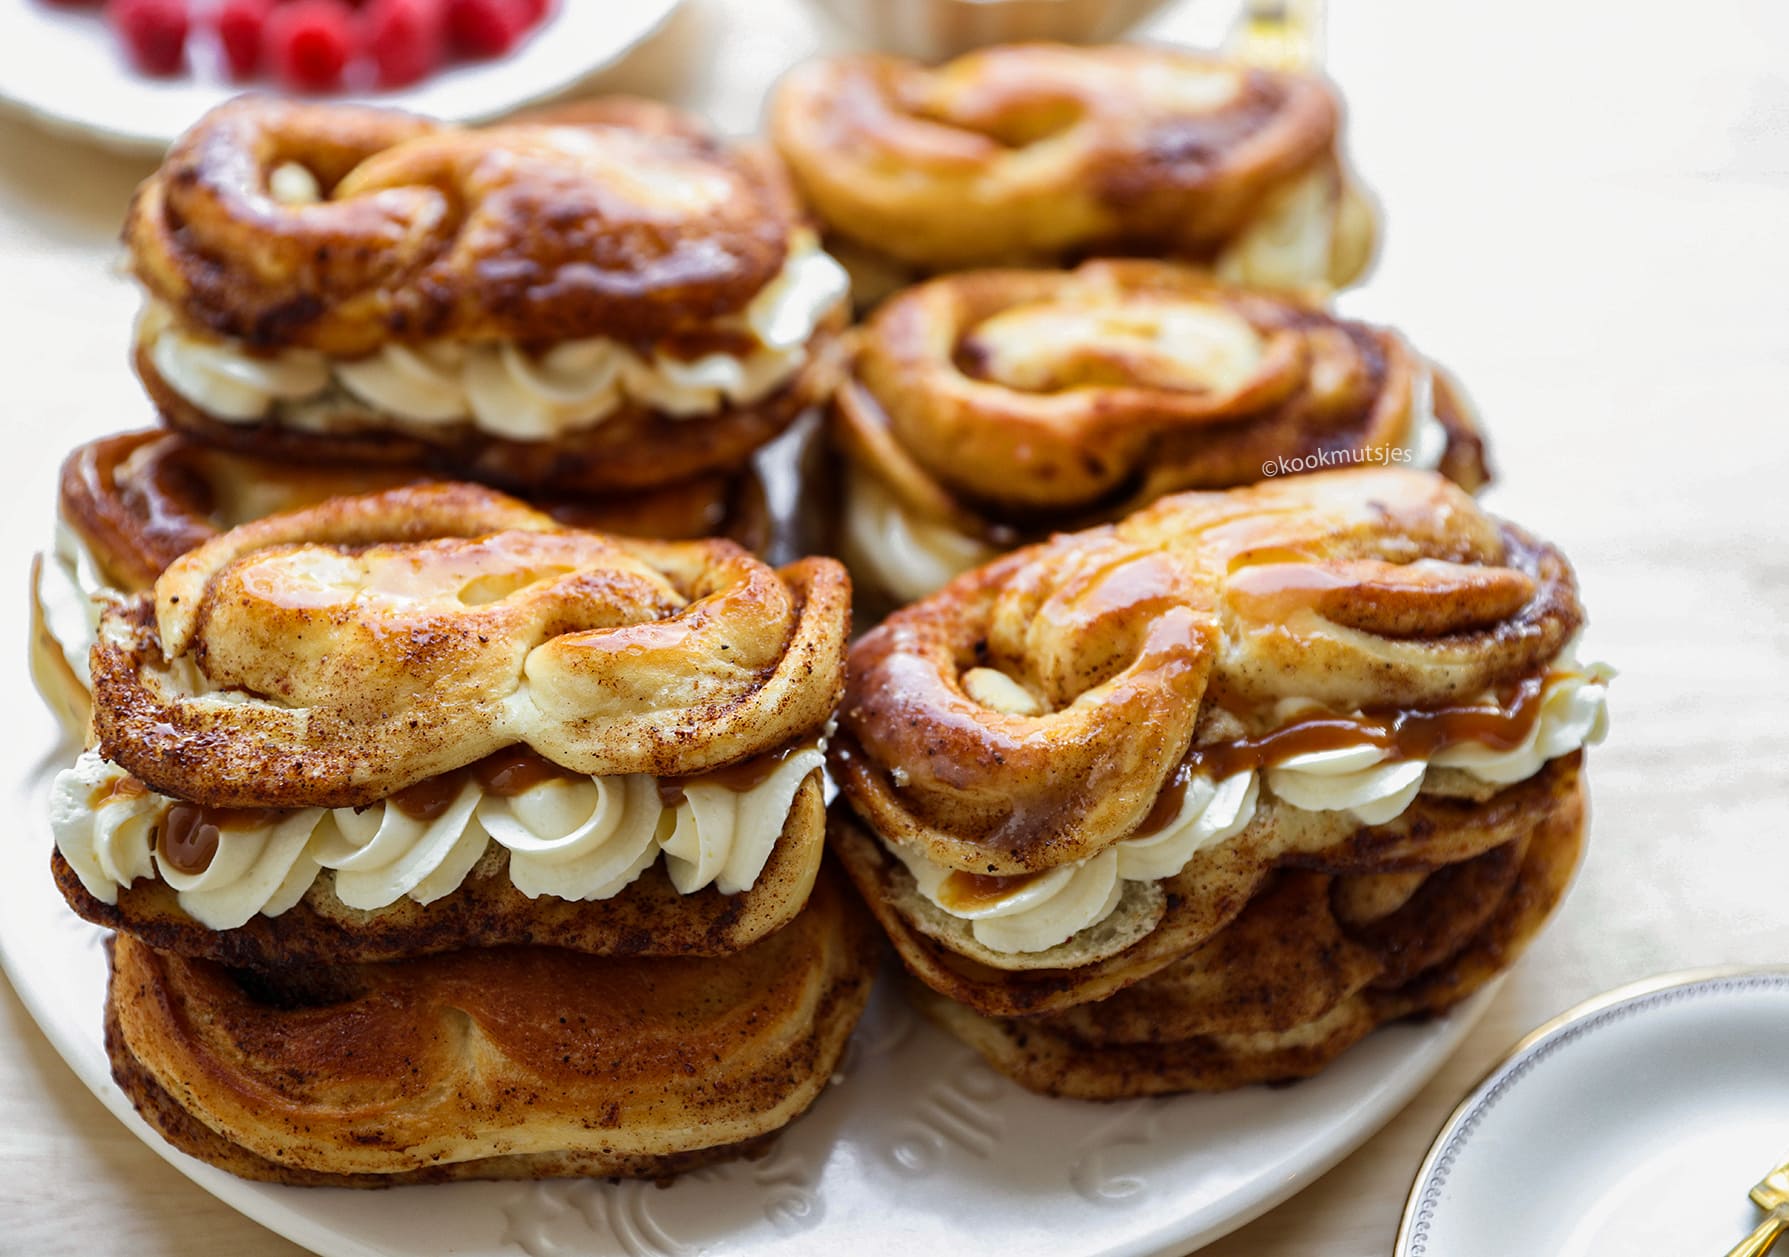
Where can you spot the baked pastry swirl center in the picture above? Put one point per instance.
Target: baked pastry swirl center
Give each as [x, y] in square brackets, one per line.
[1044, 153]
[548, 304]
[333, 656]
[985, 408]
[1153, 342]
[1091, 713]
[391, 687]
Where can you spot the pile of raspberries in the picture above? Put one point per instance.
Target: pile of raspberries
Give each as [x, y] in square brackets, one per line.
[322, 45]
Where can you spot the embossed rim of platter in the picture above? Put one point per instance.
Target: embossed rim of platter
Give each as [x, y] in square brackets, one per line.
[1538, 1046]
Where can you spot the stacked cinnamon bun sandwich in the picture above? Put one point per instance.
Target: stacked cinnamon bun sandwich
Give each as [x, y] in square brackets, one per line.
[444, 840]
[1199, 798]
[600, 298]
[1043, 153]
[989, 408]
[128, 505]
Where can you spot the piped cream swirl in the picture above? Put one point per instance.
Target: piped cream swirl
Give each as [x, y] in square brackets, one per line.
[72, 593]
[576, 838]
[1369, 782]
[906, 555]
[1292, 243]
[498, 387]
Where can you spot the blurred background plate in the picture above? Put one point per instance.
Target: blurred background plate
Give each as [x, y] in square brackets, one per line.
[63, 67]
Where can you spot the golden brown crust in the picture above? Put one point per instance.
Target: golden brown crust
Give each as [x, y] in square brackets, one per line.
[139, 500]
[648, 918]
[1005, 403]
[635, 449]
[1037, 152]
[416, 1066]
[1182, 625]
[191, 1136]
[335, 655]
[1291, 983]
[1216, 884]
[619, 218]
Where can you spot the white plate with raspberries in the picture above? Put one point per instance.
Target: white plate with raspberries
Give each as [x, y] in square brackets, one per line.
[134, 74]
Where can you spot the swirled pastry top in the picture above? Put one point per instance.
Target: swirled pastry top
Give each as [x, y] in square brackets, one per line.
[614, 218]
[1010, 397]
[1038, 151]
[139, 500]
[132, 503]
[333, 656]
[1034, 712]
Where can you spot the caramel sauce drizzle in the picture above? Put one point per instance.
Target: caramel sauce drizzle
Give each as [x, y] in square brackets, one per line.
[971, 892]
[1405, 734]
[741, 777]
[121, 788]
[430, 797]
[190, 832]
[517, 769]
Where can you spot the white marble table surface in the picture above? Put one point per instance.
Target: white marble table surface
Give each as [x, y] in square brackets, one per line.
[1586, 211]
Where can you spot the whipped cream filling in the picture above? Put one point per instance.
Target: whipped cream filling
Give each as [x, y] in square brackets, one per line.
[498, 387]
[576, 838]
[72, 593]
[907, 555]
[1290, 244]
[1369, 782]
[1054, 906]
[1426, 443]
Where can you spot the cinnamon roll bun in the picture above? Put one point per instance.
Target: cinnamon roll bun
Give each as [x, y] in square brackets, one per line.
[1040, 153]
[602, 297]
[433, 718]
[1073, 768]
[526, 1062]
[129, 505]
[989, 408]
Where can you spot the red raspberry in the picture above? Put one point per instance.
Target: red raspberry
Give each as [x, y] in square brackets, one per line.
[241, 26]
[534, 12]
[407, 39]
[309, 43]
[485, 28]
[153, 31]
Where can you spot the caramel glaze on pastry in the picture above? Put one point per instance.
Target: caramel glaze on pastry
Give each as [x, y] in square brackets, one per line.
[1312, 964]
[505, 1063]
[131, 504]
[1077, 763]
[987, 408]
[599, 297]
[1041, 153]
[433, 717]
